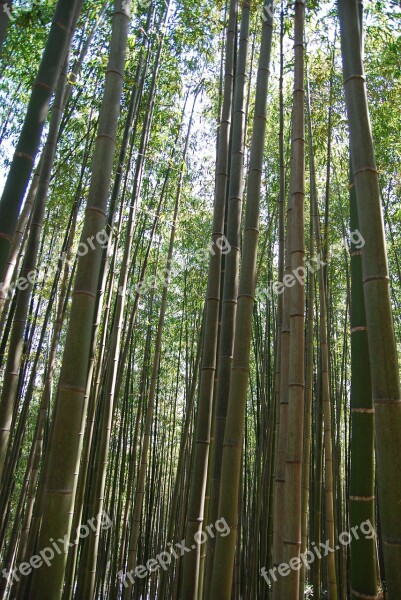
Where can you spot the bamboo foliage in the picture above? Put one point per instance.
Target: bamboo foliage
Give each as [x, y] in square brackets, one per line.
[185, 415]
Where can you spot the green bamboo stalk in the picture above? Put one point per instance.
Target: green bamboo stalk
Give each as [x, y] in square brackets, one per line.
[379, 321]
[326, 398]
[296, 383]
[281, 358]
[231, 267]
[195, 513]
[31, 132]
[363, 561]
[308, 404]
[234, 433]
[14, 356]
[138, 502]
[22, 226]
[361, 488]
[181, 464]
[70, 410]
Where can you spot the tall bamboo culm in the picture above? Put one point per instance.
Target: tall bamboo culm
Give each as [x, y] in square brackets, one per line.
[325, 382]
[296, 382]
[223, 566]
[63, 456]
[379, 320]
[363, 555]
[31, 132]
[199, 469]
[230, 283]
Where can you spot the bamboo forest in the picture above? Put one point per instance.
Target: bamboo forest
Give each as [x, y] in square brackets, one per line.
[200, 299]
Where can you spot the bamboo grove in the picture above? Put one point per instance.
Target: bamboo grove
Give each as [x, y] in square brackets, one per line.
[200, 245]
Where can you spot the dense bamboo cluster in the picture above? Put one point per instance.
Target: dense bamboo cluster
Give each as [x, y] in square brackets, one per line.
[199, 325]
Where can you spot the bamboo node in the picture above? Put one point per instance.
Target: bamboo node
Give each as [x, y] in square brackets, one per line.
[72, 388]
[9, 238]
[84, 293]
[395, 402]
[96, 209]
[242, 369]
[364, 596]
[376, 278]
[348, 79]
[43, 85]
[291, 543]
[232, 445]
[196, 520]
[368, 169]
[363, 410]
[61, 25]
[121, 12]
[362, 498]
[360, 328]
[24, 155]
[105, 136]
[392, 541]
[53, 492]
[115, 71]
